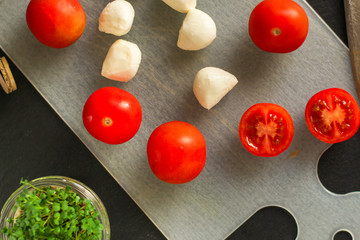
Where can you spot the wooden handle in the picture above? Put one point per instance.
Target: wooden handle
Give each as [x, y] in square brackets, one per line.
[352, 13]
[7, 80]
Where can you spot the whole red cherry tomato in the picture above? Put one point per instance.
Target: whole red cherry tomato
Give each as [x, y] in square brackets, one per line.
[56, 23]
[332, 115]
[112, 115]
[279, 26]
[266, 129]
[176, 152]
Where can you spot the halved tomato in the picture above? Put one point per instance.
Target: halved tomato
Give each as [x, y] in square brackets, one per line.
[332, 115]
[266, 129]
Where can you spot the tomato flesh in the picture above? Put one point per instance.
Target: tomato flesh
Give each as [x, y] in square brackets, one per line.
[266, 129]
[279, 26]
[176, 152]
[112, 115]
[332, 115]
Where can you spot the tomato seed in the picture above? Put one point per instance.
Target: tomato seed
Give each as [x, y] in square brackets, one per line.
[344, 126]
[316, 108]
[348, 104]
[249, 126]
[276, 141]
[326, 129]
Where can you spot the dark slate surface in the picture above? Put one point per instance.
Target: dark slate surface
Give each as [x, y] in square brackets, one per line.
[35, 142]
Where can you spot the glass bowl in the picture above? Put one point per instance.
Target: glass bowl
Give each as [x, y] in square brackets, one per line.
[58, 181]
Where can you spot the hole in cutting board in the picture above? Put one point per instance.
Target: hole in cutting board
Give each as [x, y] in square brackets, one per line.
[338, 168]
[267, 223]
[343, 235]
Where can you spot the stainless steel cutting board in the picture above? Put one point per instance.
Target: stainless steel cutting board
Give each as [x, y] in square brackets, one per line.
[234, 184]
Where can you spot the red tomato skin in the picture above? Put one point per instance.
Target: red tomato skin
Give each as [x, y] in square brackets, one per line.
[112, 115]
[176, 152]
[285, 15]
[56, 23]
[328, 96]
[263, 110]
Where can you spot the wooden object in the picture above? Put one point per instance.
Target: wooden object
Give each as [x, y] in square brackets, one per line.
[7, 80]
[352, 16]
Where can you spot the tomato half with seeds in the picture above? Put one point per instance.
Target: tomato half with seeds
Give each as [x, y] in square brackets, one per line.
[266, 129]
[332, 115]
[112, 115]
[279, 26]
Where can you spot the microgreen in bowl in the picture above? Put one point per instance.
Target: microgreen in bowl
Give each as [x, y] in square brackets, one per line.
[52, 212]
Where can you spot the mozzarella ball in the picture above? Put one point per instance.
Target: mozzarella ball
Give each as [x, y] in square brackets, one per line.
[122, 61]
[211, 85]
[117, 18]
[197, 31]
[182, 6]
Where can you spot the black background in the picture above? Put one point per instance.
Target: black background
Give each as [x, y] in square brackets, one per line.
[35, 142]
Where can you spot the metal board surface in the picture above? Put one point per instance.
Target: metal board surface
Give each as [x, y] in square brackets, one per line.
[234, 184]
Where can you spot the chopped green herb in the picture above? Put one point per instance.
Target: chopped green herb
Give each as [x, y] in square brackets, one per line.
[53, 213]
